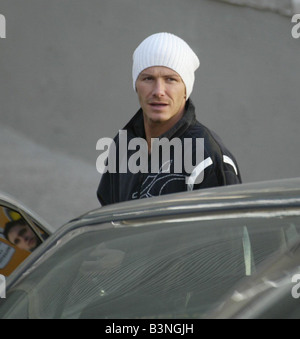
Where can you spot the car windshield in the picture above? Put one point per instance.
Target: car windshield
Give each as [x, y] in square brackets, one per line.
[179, 269]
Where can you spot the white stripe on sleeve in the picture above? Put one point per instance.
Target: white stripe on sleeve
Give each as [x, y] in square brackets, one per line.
[229, 161]
[190, 181]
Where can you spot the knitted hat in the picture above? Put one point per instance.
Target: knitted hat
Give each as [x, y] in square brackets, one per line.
[166, 49]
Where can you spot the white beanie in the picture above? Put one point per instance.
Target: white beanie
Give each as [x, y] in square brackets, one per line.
[166, 49]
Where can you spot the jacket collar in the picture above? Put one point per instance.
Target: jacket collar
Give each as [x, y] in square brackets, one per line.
[136, 124]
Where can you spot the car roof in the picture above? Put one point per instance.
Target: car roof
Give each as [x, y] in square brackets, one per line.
[265, 193]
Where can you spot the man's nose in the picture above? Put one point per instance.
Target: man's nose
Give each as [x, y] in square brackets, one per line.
[24, 237]
[159, 88]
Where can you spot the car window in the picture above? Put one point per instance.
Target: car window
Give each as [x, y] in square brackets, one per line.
[178, 269]
[18, 238]
[10, 255]
[271, 293]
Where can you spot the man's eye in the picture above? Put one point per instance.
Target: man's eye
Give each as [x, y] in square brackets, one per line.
[22, 232]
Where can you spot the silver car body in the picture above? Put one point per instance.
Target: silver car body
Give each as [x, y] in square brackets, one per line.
[173, 256]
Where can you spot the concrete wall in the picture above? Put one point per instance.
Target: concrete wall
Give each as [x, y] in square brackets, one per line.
[65, 82]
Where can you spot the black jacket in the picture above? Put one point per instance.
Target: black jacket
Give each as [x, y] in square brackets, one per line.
[217, 168]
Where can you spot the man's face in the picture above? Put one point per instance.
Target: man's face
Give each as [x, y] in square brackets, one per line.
[161, 93]
[23, 237]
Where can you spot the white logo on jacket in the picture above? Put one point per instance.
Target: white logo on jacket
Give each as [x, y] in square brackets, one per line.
[158, 181]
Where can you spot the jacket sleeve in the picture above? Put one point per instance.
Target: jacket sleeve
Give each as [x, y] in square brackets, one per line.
[231, 170]
[109, 181]
[104, 191]
[219, 171]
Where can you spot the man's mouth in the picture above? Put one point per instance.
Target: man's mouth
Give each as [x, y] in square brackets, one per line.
[158, 104]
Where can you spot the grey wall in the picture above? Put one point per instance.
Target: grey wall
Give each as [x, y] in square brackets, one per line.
[65, 82]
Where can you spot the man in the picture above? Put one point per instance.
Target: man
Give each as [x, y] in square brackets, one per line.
[21, 235]
[163, 77]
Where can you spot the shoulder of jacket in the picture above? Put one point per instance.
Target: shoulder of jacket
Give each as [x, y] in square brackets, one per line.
[212, 142]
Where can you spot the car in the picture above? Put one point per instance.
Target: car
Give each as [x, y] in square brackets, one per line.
[271, 293]
[168, 257]
[12, 214]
